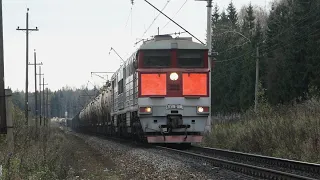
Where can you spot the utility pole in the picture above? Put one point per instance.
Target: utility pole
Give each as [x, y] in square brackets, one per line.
[27, 61]
[3, 116]
[209, 45]
[47, 107]
[44, 102]
[35, 86]
[257, 82]
[9, 108]
[40, 114]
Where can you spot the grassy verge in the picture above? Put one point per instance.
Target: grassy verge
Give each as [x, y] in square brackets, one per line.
[284, 131]
[33, 157]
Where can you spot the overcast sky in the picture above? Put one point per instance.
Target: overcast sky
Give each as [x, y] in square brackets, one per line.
[75, 36]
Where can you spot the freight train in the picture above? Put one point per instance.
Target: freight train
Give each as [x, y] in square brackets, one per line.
[159, 95]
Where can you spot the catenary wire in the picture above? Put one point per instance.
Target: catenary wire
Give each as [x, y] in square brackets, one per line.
[175, 14]
[168, 1]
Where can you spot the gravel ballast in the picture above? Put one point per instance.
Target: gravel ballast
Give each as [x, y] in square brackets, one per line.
[150, 163]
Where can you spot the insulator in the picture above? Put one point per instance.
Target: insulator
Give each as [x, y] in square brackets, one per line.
[132, 2]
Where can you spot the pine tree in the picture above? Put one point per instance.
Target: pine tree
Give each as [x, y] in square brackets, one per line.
[215, 18]
[224, 18]
[232, 15]
[226, 75]
[216, 15]
[249, 24]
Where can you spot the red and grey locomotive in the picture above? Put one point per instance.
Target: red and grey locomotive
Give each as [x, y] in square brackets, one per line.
[160, 94]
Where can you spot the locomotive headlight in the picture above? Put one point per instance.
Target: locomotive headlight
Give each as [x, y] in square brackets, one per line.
[174, 76]
[203, 109]
[145, 110]
[148, 109]
[200, 109]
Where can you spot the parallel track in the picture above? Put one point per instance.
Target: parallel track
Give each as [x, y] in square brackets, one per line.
[248, 169]
[305, 167]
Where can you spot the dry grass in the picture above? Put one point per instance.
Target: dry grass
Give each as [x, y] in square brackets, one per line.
[285, 131]
[43, 157]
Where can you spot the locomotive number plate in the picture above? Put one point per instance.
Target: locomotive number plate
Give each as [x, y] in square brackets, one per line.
[174, 106]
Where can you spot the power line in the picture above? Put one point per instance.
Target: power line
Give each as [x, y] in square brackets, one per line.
[269, 49]
[174, 22]
[131, 18]
[175, 14]
[168, 1]
[128, 17]
[273, 38]
[272, 48]
[306, 16]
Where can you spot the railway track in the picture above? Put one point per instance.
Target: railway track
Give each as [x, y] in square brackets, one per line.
[259, 166]
[252, 165]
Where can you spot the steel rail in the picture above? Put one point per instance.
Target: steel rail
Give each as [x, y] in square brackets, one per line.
[247, 169]
[280, 162]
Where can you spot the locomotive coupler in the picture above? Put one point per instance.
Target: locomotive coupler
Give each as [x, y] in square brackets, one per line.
[174, 121]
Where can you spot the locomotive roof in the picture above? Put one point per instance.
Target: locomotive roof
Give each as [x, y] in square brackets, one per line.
[167, 42]
[164, 42]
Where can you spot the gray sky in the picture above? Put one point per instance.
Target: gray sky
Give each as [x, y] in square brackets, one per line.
[76, 35]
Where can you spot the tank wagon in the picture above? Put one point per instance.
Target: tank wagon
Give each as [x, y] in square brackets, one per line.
[159, 95]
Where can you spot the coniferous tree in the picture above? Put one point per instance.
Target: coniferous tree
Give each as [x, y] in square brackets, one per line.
[247, 82]
[232, 15]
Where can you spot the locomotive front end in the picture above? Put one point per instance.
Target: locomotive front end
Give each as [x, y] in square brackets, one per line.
[173, 96]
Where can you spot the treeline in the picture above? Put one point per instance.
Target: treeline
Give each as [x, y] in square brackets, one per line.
[286, 41]
[61, 101]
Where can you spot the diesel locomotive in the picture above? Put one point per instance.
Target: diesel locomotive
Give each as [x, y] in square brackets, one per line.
[159, 95]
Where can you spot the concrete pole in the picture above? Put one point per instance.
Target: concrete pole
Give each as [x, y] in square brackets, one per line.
[44, 103]
[27, 72]
[47, 108]
[2, 91]
[9, 120]
[257, 82]
[35, 87]
[40, 113]
[209, 45]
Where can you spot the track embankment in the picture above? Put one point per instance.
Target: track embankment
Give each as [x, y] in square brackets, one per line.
[253, 165]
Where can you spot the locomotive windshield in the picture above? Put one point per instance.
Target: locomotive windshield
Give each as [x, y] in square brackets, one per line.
[190, 58]
[156, 58]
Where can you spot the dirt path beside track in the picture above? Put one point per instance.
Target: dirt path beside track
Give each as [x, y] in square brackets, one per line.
[87, 163]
